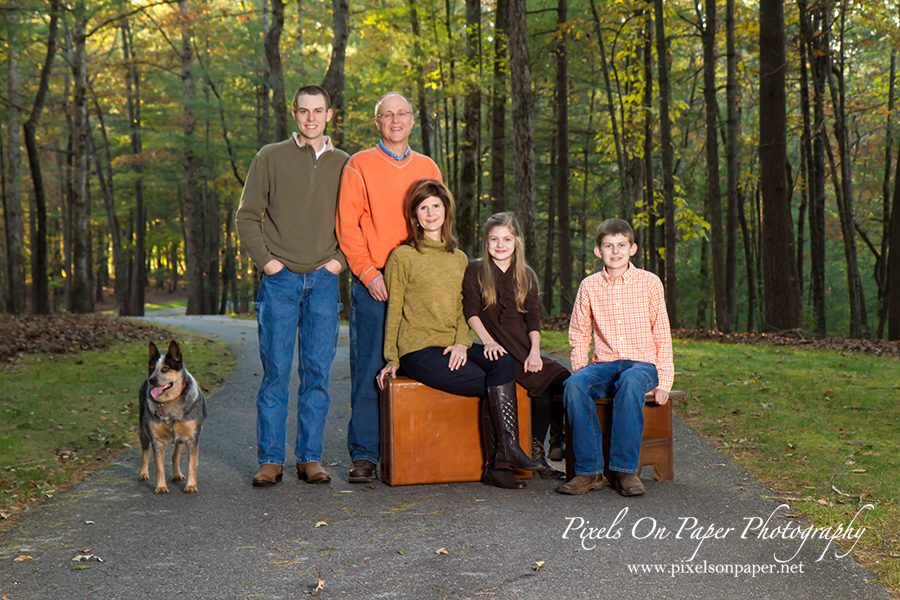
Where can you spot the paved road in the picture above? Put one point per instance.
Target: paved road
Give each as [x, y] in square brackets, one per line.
[374, 541]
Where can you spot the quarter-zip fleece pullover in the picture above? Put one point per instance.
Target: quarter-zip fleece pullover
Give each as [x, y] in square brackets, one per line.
[287, 210]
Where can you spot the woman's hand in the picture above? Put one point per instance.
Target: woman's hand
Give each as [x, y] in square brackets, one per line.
[390, 371]
[457, 354]
[493, 350]
[534, 362]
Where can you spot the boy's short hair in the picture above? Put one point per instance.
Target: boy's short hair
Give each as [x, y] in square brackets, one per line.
[614, 227]
[311, 90]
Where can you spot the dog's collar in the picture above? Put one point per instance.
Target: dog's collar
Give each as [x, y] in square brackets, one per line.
[160, 408]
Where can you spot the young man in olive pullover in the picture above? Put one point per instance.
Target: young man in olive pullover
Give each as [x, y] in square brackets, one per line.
[286, 223]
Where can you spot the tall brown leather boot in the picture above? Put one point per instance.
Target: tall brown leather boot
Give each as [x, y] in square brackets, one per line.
[505, 414]
[499, 477]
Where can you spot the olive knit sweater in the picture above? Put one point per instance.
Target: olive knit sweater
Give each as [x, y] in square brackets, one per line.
[424, 300]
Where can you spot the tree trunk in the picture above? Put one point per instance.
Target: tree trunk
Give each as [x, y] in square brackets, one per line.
[783, 309]
[881, 263]
[703, 281]
[523, 133]
[624, 202]
[82, 296]
[819, 51]
[858, 322]
[652, 256]
[134, 285]
[13, 209]
[732, 159]
[68, 182]
[276, 74]
[717, 238]
[466, 197]
[893, 267]
[668, 173]
[547, 294]
[109, 203]
[811, 180]
[193, 211]
[498, 109]
[298, 40]
[4, 269]
[333, 81]
[421, 97]
[40, 288]
[262, 90]
[562, 159]
[453, 129]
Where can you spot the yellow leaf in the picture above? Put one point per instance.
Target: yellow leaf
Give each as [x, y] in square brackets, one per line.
[321, 524]
[20, 558]
[441, 551]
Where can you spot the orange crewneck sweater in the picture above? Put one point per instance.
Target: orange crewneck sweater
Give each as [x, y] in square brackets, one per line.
[370, 221]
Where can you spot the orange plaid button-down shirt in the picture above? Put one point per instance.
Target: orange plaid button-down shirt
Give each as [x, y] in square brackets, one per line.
[626, 317]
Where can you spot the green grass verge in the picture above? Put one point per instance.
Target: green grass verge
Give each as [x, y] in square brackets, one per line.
[166, 304]
[62, 416]
[820, 428]
[555, 342]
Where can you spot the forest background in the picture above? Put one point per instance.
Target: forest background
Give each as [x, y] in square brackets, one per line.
[757, 160]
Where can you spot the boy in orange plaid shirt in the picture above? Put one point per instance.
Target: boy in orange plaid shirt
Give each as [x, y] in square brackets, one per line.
[622, 309]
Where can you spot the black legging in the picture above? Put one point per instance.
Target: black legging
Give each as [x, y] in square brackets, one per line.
[432, 367]
[545, 410]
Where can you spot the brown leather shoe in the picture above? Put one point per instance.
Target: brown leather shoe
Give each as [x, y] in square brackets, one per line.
[627, 484]
[312, 472]
[267, 475]
[362, 471]
[581, 484]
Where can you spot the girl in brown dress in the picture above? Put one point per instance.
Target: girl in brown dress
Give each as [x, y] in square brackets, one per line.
[500, 303]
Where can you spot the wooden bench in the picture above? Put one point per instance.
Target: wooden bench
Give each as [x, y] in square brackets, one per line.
[656, 443]
[429, 436]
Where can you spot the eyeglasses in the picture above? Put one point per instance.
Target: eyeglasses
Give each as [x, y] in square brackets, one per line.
[401, 116]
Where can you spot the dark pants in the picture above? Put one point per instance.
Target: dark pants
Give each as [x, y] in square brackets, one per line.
[545, 411]
[432, 367]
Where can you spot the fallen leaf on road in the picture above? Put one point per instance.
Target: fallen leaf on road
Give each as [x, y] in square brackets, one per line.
[537, 566]
[320, 585]
[20, 558]
[441, 551]
[88, 522]
[3, 515]
[321, 524]
[87, 557]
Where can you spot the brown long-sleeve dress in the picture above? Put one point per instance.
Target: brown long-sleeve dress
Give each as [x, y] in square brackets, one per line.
[508, 326]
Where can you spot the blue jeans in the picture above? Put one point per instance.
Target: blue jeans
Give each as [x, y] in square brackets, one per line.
[367, 316]
[627, 382]
[291, 307]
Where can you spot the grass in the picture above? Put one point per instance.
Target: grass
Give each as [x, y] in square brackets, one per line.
[555, 342]
[63, 416]
[175, 302]
[819, 428]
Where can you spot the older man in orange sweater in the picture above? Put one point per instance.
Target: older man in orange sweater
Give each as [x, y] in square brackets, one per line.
[370, 224]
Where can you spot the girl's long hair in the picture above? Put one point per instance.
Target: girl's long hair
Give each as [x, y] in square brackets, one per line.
[523, 276]
[418, 193]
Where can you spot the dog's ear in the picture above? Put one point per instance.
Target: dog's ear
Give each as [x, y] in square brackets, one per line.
[175, 351]
[154, 359]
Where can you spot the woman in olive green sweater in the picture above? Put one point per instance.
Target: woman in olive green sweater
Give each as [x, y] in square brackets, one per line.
[427, 335]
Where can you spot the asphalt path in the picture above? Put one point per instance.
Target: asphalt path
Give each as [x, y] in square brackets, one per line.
[714, 532]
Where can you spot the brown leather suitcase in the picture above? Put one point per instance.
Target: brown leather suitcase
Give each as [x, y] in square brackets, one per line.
[428, 436]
